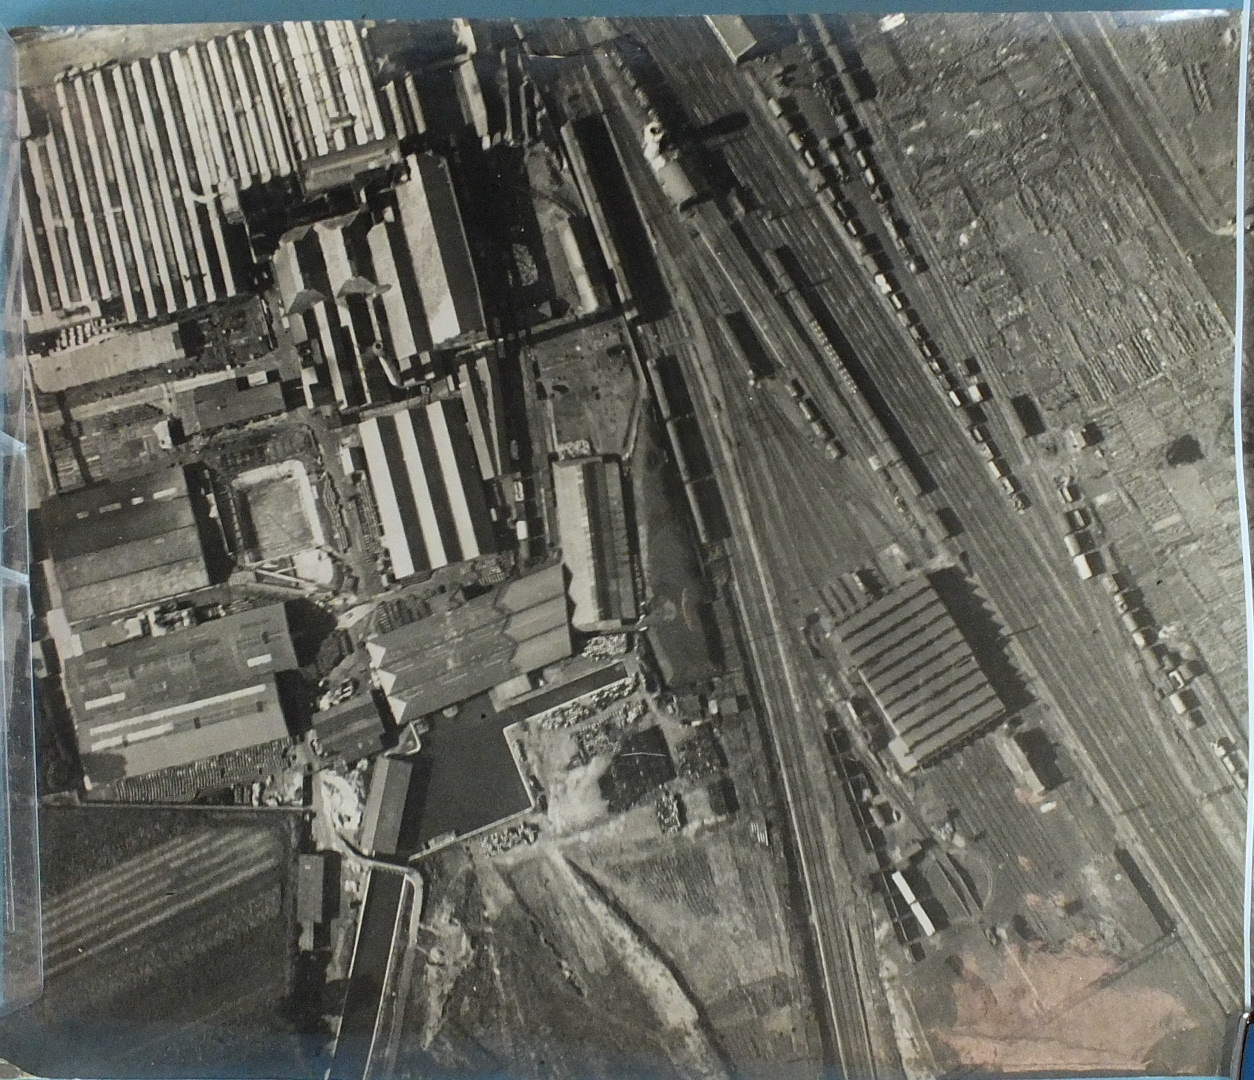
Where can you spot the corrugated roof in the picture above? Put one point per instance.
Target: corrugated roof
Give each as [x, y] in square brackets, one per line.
[154, 702]
[921, 671]
[427, 486]
[592, 527]
[444, 659]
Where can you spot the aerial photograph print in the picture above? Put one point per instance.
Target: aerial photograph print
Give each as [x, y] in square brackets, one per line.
[702, 548]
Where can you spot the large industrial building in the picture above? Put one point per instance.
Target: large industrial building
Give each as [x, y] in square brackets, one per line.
[592, 529]
[132, 171]
[428, 486]
[376, 294]
[921, 673]
[159, 702]
[444, 659]
[120, 545]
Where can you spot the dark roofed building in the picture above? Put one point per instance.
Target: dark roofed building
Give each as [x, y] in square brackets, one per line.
[341, 167]
[159, 702]
[352, 729]
[921, 672]
[311, 902]
[125, 543]
[227, 402]
[439, 661]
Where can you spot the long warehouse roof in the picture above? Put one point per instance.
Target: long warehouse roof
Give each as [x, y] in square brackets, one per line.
[592, 527]
[155, 702]
[428, 486]
[124, 543]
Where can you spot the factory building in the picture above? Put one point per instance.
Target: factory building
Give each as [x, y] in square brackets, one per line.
[236, 401]
[921, 673]
[428, 488]
[444, 659]
[126, 543]
[132, 171]
[96, 356]
[592, 529]
[478, 384]
[384, 813]
[377, 295]
[156, 703]
[352, 730]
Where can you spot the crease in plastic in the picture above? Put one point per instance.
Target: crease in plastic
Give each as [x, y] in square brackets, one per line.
[21, 951]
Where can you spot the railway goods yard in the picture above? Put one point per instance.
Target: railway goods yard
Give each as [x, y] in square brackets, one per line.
[703, 545]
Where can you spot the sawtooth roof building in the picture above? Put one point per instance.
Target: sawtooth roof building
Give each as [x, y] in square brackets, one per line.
[132, 171]
[376, 293]
[592, 527]
[444, 659]
[126, 543]
[921, 673]
[428, 486]
[155, 703]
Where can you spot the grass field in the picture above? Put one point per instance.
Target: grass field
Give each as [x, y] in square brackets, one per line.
[183, 971]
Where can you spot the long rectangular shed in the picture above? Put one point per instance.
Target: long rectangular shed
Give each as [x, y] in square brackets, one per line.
[592, 527]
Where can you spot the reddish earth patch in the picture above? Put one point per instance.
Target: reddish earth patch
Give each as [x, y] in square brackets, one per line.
[1033, 1010]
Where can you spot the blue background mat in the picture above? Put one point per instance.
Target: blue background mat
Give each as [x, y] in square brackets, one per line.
[75, 12]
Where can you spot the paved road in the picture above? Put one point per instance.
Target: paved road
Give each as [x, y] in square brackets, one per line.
[1064, 628]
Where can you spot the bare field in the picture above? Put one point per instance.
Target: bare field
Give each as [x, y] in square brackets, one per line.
[613, 953]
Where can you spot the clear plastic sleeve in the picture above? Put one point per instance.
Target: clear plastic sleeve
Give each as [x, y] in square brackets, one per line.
[21, 975]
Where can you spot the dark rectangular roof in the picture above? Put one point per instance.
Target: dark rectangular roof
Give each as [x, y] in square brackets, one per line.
[341, 167]
[353, 729]
[384, 814]
[155, 702]
[222, 403]
[443, 659]
[311, 875]
[124, 543]
[102, 516]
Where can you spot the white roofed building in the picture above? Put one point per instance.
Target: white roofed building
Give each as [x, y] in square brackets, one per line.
[132, 171]
[378, 293]
[428, 488]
